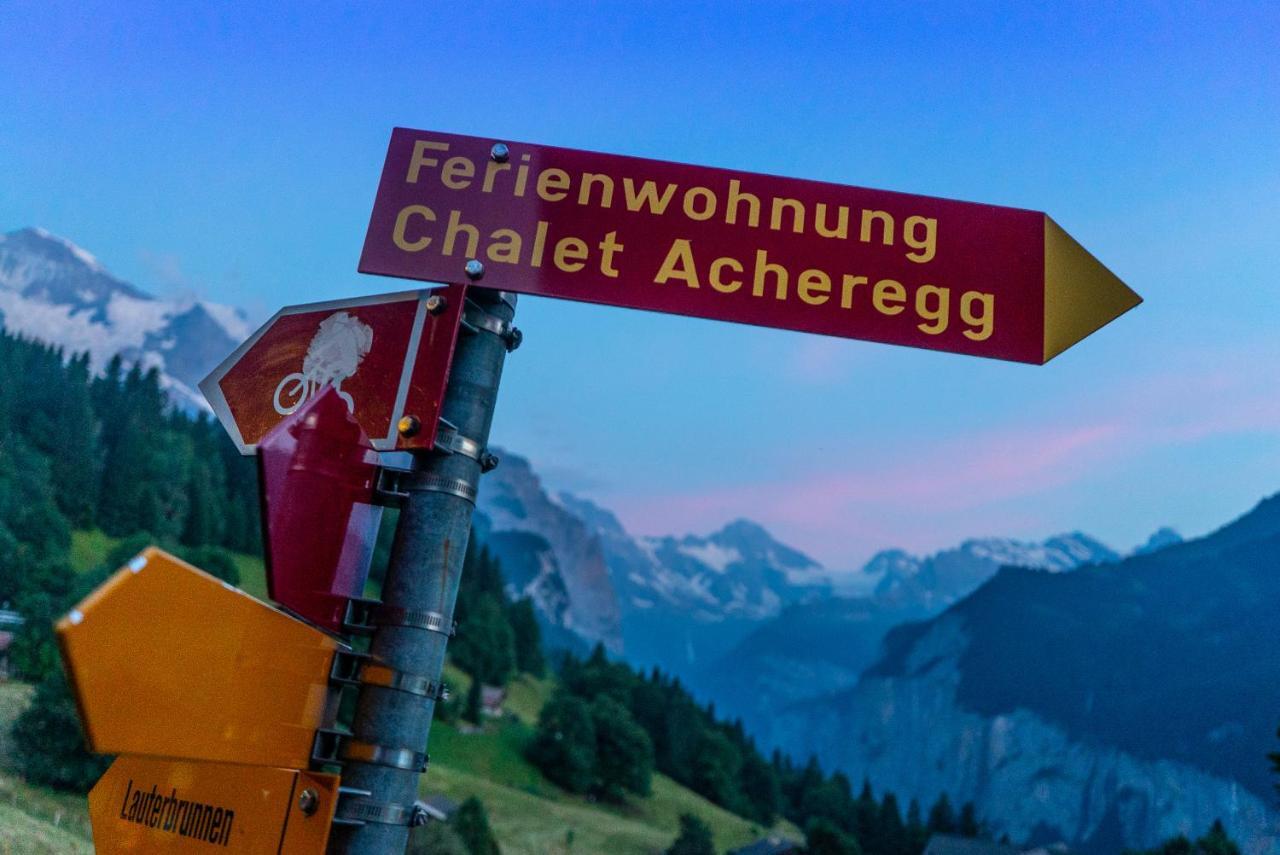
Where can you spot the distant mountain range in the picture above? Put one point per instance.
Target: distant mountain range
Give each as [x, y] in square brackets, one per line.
[1072, 693]
[818, 647]
[54, 291]
[1114, 706]
[668, 601]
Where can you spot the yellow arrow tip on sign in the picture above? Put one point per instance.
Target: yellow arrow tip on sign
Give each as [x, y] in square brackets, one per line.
[1080, 294]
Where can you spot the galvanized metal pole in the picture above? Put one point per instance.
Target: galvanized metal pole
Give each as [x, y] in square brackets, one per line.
[386, 753]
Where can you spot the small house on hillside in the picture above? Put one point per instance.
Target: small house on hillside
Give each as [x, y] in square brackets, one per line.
[769, 846]
[491, 700]
[950, 844]
[6, 639]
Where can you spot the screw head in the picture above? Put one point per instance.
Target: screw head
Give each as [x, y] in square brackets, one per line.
[474, 270]
[436, 304]
[409, 426]
[500, 153]
[488, 462]
[308, 802]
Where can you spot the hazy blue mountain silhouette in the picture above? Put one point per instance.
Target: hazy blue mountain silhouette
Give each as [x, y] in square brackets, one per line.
[1171, 654]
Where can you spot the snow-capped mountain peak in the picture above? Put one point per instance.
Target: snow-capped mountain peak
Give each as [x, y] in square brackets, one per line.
[934, 581]
[57, 292]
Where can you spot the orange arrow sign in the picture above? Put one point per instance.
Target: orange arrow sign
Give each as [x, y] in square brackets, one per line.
[148, 805]
[165, 660]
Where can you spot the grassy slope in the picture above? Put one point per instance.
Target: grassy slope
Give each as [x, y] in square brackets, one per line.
[33, 820]
[529, 814]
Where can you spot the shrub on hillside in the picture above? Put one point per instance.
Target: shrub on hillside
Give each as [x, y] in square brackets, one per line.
[823, 837]
[624, 754]
[471, 823]
[694, 838]
[436, 838]
[564, 747]
[49, 743]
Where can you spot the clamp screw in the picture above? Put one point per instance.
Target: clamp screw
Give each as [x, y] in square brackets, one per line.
[500, 153]
[308, 801]
[409, 426]
[474, 270]
[436, 304]
[488, 462]
[514, 339]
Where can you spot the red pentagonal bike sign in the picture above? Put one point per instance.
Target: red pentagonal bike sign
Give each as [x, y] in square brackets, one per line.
[387, 357]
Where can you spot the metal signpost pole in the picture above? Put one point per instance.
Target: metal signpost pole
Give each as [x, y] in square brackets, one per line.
[399, 684]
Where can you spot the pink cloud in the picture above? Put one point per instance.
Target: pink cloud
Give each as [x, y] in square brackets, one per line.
[924, 497]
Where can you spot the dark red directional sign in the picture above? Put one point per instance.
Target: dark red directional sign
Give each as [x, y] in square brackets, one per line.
[758, 249]
[320, 524]
[386, 357]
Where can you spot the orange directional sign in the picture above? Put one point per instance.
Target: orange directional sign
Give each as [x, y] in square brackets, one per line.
[167, 661]
[146, 805]
[387, 357]
[737, 246]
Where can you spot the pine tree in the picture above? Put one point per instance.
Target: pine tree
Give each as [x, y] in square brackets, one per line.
[891, 834]
[942, 819]
[472, 711]
[694, 838]
[917, 834]
[1217, 842]
[824, 837]
[866, 814]
[624, 754]
[471, 823]
[761, 789]
[528, 638]
[717, 768]
[485, 647]
[968, 825]
[564, 746]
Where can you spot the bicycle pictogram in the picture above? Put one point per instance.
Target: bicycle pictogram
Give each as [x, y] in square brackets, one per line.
[334, 355]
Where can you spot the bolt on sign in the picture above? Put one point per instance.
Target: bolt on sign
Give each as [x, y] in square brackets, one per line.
[387, 356]
[145, 804]
[317, 471]
[209, 672]
[713, 243]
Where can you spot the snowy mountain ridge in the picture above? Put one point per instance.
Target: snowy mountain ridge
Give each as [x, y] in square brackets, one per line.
[59, 293]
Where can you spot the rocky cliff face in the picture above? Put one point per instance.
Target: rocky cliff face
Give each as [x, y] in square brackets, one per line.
[687, 600]
[550, 553]
[1113, 706]
[822, 645]
[1028, 777]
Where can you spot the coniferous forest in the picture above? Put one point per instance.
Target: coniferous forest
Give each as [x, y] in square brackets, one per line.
[80, 451]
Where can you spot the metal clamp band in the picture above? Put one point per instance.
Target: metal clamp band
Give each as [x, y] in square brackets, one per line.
[482, 320]
[441, 484]
[382, 755]
[395, 616]
[475, 319]
[449, 440]
[383, 813]
[389, 678]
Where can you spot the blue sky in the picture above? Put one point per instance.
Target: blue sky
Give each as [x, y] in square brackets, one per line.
[232, 150]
